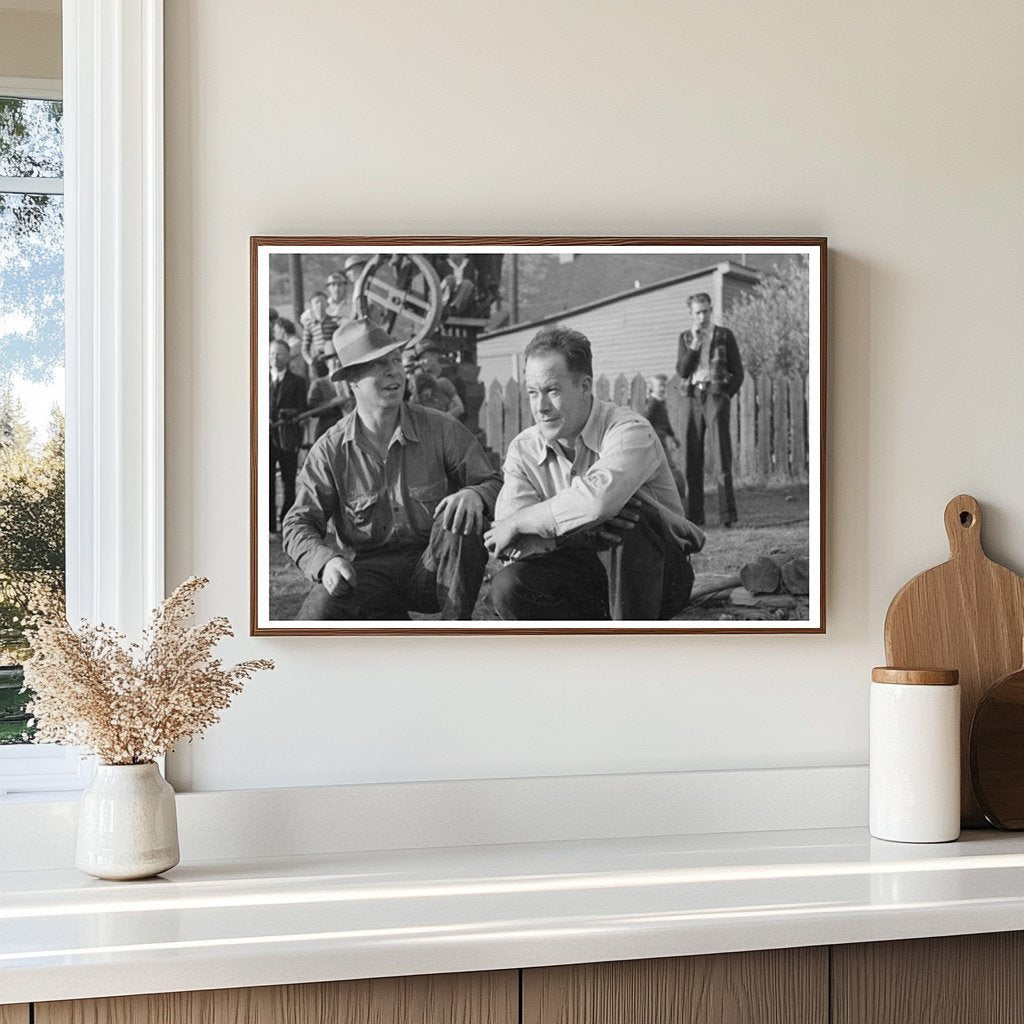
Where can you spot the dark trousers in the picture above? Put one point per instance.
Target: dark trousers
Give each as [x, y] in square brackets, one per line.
[706, 416]
[678, 477]
[445, 577]
[289, 465]
[646, 577]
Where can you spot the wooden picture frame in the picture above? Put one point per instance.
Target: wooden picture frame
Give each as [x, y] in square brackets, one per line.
[630, 297]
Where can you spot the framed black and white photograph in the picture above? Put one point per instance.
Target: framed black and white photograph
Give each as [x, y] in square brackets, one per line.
[537, 435]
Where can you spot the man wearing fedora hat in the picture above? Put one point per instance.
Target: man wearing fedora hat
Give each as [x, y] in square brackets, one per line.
[407, 490]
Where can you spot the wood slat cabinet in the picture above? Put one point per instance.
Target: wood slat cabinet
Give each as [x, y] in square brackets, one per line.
[960, 979]
[775, 986]
[967, 979]
[479, 998]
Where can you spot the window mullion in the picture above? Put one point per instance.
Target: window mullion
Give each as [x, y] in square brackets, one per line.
[32, 186]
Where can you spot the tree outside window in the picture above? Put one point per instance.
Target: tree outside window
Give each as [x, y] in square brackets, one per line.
[32, 543]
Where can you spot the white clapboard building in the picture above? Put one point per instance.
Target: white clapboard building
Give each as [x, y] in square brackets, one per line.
[631, 332]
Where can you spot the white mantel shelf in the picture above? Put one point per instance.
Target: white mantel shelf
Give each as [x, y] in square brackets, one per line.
[224, 924]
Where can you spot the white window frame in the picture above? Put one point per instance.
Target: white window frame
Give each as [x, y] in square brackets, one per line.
[114, 333]
[37, 767]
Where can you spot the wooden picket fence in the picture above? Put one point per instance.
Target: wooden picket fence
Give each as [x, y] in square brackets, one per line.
[769, 421]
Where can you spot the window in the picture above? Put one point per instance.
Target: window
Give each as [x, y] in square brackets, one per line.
[32, 534]
[113, 331]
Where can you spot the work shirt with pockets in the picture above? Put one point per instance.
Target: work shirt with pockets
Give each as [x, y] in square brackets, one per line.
[376, 504]
[617, 455]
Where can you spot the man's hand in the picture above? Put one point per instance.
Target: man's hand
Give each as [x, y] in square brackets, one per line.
[501, 535]
[526, 545]
[338, 577]
[461, 512]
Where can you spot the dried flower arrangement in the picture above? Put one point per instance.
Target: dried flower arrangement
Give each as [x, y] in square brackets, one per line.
[129, 704]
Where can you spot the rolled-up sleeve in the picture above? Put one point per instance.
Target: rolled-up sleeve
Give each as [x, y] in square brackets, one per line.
[305, 526]
[628, 458]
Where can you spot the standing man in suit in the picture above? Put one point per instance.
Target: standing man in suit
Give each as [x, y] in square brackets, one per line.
[287, 400]
[711, 370]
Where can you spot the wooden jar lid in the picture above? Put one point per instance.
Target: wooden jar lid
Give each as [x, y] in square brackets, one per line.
[916, 676]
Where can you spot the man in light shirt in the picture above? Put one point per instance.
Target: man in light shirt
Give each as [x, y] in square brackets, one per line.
[588, 518]
[711, 369]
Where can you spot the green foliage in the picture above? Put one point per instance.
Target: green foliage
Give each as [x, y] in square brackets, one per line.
[772, 321]
[14, 718]
[31, 347]
[31, 524]
[32, 549]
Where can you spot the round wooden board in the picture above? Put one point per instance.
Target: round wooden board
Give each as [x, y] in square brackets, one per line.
[997, 752]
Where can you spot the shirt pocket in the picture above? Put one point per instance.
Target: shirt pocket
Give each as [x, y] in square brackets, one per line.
[359, 518]
[423, 501]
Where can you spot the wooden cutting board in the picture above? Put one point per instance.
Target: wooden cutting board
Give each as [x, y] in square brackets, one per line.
[967, 614]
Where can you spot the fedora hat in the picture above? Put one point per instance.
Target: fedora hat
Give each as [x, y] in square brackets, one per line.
[361, 341]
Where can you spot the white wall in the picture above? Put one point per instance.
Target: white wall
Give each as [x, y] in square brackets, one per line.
[894, 129]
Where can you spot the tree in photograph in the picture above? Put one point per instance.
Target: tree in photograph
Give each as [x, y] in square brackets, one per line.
[771, 322]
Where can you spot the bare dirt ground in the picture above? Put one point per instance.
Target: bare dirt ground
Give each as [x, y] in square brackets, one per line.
[772, 522]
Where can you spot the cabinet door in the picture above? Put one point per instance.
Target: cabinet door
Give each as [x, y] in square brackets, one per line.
[14, 1014]
[777, 986]
[961, 979]
[483, 998]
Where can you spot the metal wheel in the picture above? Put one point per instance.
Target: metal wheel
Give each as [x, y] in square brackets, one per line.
[402, 293]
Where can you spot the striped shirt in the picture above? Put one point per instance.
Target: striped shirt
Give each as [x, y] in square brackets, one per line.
[316, 338]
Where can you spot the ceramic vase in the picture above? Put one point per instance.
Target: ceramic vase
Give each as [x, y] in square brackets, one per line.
[127, 825]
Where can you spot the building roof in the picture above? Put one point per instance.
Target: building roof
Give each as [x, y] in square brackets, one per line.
[725, 266]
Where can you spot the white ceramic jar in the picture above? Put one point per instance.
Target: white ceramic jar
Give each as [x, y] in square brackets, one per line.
[127, 823]
[915, 755]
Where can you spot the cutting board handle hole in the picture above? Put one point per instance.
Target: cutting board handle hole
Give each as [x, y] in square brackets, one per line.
[966, 519]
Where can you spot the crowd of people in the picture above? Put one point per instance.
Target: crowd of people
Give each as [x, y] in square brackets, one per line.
[397, 506]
